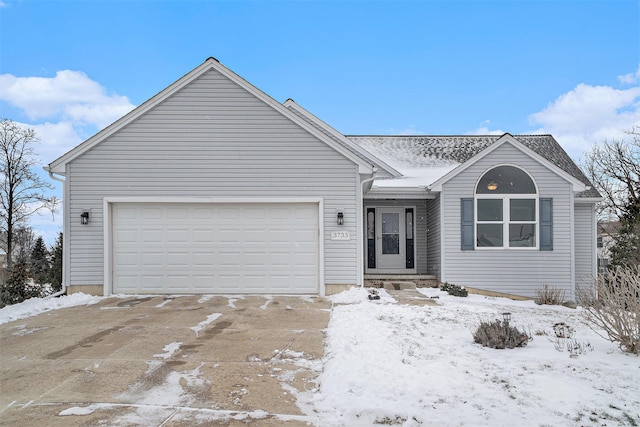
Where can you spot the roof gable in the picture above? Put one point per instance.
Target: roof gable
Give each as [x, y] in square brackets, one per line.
[509, 139]
[341, 146]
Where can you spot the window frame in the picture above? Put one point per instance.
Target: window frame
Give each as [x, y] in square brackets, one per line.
[506, 221]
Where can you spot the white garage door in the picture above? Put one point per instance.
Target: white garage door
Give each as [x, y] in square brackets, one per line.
[215, 248]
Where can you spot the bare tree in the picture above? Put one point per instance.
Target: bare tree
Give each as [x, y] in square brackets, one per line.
[614, 169]
[22, 191]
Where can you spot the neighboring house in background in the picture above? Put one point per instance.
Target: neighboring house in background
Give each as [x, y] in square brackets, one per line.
[607, 232]
[212, 186]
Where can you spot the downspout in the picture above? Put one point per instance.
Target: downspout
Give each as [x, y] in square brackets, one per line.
[362, 252]
[62, 291]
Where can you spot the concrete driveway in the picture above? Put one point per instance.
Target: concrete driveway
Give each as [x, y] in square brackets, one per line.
[170, 361]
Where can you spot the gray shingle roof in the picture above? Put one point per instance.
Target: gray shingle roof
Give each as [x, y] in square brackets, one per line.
[460, 148]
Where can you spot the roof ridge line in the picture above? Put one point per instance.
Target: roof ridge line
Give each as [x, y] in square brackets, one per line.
[443, 135]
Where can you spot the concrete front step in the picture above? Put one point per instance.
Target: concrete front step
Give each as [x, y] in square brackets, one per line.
[398, 286]
[418, 280]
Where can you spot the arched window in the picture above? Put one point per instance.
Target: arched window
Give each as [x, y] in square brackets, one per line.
[506, 209]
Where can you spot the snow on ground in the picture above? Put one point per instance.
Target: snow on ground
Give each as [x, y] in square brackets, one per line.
[210, 318]
[34, 306]
[393, 364]
[408, 365]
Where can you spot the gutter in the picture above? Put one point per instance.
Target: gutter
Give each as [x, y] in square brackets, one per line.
[365, 181]
[62, 291]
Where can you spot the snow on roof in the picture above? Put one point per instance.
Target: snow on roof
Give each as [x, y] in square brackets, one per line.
[425, 159]
[418, 167]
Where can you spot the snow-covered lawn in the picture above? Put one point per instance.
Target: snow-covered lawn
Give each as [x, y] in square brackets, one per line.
[406, 365]
[393, 364]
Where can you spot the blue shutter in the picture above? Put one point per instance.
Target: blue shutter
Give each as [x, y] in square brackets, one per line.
[546, 224]
[466, 220]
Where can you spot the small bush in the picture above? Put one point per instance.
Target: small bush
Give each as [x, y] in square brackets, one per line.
[499, 334]
[455, 290]
[18, 287]
[562, 330]
[612, 305]
[565, 340]
[549, 295]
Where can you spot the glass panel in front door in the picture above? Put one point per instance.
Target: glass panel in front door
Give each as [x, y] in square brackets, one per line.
[390, 233]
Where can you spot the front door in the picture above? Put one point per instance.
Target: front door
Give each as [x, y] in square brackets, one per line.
[390, 238]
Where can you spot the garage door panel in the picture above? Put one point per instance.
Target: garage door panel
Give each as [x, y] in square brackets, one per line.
[127, 236]
[229, 235]
[204, 236]
[149, 213]
[179, 235]
[203, 213]
[150, 282]
[127, 259]
[223, 248]
[178, 260]
[150, 259]
[202, 259]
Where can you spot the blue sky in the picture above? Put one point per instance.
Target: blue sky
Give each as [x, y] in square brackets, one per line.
[569, 68]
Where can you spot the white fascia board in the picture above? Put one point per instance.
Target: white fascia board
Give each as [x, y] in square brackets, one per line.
[577, 184]
[351, 147]
[400, 193]
[58, 165]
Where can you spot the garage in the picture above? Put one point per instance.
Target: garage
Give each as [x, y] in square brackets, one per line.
[227, 248]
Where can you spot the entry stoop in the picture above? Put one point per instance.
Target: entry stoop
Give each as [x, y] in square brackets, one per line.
[398, 286]
[404, 281]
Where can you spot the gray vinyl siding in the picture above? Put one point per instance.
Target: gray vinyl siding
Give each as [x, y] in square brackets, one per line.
[512, 271]
[585, 235]
[420, 224]
[211, 139]
[434, 258]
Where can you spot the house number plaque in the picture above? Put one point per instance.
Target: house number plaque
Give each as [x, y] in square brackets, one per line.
[340, 235]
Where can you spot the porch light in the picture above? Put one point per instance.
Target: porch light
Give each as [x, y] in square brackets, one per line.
[340, 215]
[84, 217]
[492, 186]
[506, 317]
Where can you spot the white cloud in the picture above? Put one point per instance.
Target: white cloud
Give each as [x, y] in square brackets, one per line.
[483, 129]
[70, 95]
[589, 115]
[55, 139]
[631, 78]
[64, 111]
[3, 4]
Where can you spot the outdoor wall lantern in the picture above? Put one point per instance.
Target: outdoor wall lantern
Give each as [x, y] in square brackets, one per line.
[492, 186]
[340, 216]
[84, 217]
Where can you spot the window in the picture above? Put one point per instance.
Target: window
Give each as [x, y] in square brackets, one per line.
[506, 209]
[390, 233]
